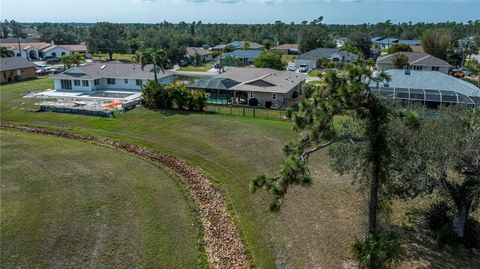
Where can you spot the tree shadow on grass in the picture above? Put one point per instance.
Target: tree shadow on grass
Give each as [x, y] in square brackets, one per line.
[422, 250]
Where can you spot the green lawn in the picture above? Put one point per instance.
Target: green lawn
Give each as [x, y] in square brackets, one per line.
[70, 204]
[201, 68]
[314, 228]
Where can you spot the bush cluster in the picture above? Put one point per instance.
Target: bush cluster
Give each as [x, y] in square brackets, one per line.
[380, 249]
[173, 96]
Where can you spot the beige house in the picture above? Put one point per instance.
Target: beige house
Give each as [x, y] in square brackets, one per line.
[192, 52]
[254, 86]
[16, 69]
[416, 61]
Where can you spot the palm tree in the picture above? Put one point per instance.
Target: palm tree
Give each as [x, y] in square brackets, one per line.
[77, 58]
[157, 57]
[67, 60]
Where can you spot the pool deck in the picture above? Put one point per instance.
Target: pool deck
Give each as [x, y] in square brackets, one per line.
[87, 96]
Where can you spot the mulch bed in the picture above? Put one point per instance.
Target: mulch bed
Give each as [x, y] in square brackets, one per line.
[223, 243]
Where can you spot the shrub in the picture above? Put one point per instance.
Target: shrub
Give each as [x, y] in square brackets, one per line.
[438, 215]
[378, 250]
[173, 96]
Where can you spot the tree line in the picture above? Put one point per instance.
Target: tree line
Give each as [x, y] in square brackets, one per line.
[112, 38]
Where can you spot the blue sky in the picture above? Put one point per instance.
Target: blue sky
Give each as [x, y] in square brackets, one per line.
[240, 11]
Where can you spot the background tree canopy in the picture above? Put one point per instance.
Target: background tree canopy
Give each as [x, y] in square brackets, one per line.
[174, 37]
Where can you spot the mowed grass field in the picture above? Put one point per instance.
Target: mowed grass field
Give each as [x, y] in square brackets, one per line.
[316, 225]
[70, 204]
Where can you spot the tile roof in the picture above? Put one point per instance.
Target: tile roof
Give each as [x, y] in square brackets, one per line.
[416, 58]
[287, 46]
[111, 70]
[13, 63]
[37, 45]
[75, 47]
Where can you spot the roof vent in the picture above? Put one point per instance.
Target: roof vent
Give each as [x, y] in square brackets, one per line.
[102, 67]
[407, 72]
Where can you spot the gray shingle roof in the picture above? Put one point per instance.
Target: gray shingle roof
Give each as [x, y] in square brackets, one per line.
[263, 79]
[416, 58]
[431, 80]
[215, 83]
[14, 63]
[111, 70]
[324, 53]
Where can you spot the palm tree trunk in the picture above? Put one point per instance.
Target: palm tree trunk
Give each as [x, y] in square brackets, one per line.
[155, 71]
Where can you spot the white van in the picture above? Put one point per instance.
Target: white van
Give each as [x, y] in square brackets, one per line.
[303, 68]
[291, 66]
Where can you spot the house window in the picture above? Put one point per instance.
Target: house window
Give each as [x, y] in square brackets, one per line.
[85, 83]
[139, 82]
[417, 67]
[110, 81]
[96, 82]
[76, 82]
[251, 94]
[66, 84]
[274, 96]
[435, 68]
[125, 81]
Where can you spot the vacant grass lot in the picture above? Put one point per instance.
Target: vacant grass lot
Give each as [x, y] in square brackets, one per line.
[314, 228]
[70, 204]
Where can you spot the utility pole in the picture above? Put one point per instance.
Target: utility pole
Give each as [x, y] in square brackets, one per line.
[20, 47]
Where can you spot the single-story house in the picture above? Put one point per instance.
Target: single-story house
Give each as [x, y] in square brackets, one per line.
[287, 49]
[247, 57]
[204, 54]
[416, 61]
[429, 88]
[43, 50]
[254, 86]
[108, 76]
[15, 69]
[386, 42]
[238, 45]
[333, 54]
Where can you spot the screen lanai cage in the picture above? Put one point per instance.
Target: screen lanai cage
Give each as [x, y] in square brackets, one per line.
[426, 97]
[429, 89]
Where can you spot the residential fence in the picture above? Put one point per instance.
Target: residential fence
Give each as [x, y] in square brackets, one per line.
[247, 111]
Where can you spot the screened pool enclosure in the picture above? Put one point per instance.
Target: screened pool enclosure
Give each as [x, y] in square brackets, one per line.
[427, 98]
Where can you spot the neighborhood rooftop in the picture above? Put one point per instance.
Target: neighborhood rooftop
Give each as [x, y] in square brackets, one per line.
[271, 80]
[13, 63]
[321, 53]
[111, 70]
[431, 80]
[416, 58]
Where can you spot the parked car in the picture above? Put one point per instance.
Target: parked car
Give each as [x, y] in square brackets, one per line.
[51, 70]
[291, 66]
[303, 68]
[41, 72]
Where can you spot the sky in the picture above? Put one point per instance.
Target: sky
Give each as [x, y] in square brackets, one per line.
[240, 11]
